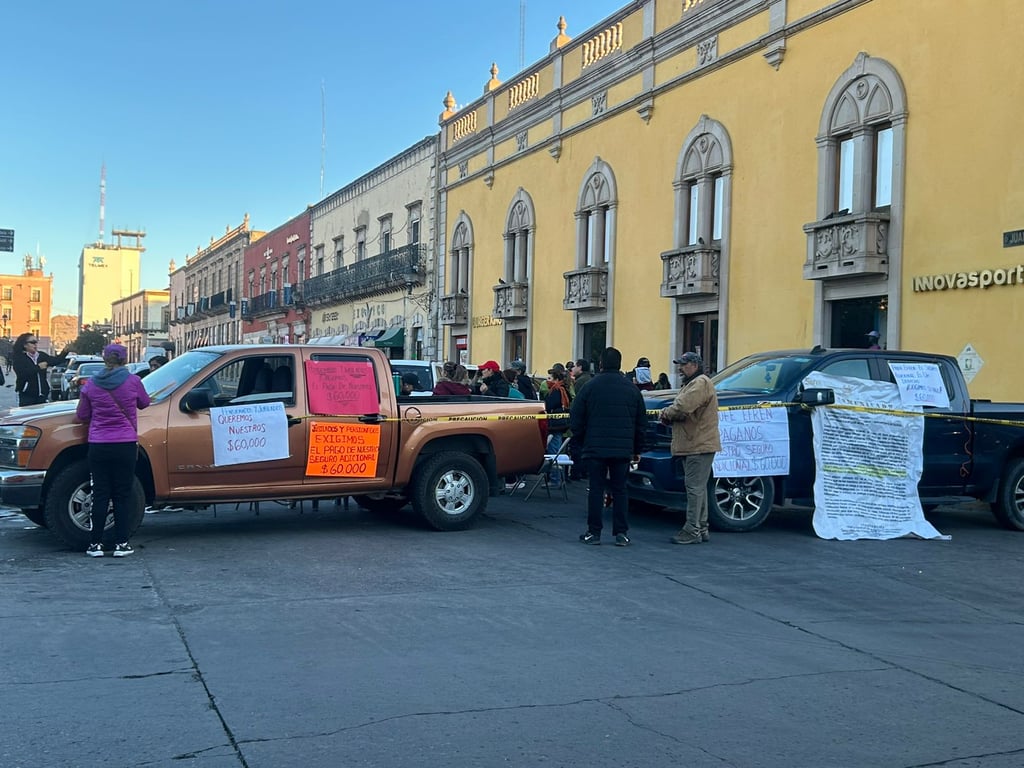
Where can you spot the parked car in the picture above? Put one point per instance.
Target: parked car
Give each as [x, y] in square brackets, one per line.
[339, 402]
[85, 372]
[974, 449]
[74, 361]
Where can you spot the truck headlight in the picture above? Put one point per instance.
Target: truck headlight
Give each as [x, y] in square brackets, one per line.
[17, 442]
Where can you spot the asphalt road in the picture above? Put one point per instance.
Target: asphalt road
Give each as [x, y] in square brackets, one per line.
[339, 638]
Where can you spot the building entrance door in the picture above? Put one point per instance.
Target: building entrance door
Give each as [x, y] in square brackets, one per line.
[594, 342]
[700, 335]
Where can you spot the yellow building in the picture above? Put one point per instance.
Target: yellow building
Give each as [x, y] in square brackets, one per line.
[106, 273]
[730, 176]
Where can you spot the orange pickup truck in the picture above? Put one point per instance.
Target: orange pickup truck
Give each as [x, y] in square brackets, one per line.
[279, 422]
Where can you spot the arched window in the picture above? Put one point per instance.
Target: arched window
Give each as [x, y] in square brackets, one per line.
[461, 253]
[703, 184]
[519, 228]
[595, 217]
[861, 138]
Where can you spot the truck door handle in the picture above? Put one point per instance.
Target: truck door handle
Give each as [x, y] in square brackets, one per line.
[371, 418]
[292, 421]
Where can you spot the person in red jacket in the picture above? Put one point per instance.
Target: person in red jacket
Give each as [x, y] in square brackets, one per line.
[109, 403]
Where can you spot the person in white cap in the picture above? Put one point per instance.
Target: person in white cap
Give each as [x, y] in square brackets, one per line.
[873, 340]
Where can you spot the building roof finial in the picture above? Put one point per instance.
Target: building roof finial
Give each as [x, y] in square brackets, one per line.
[494, 82]
[561, 38]
[449, 107]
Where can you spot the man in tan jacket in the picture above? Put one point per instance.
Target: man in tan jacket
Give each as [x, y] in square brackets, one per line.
[695, 439]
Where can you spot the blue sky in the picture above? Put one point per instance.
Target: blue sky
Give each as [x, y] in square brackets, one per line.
[203, 111]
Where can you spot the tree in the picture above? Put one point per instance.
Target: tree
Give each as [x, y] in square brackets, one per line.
[88, 343]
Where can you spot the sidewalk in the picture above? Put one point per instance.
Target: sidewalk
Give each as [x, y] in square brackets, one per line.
[8, 397]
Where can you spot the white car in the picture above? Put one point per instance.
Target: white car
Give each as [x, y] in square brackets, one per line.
[74, 361]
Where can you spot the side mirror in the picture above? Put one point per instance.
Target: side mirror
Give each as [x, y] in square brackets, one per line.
[813, 396]
[198, 399]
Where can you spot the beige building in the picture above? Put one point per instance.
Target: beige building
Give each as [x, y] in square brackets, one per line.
[26, 301]
[106, 272]
[730, 176]
[201, 312]
[140, 321]
[372, 258]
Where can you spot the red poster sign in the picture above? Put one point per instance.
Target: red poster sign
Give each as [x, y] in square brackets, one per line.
[341, 388]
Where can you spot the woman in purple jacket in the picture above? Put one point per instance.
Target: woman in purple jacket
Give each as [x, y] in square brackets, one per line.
[109, 402]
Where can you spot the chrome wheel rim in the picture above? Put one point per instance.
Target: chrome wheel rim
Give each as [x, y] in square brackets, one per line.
[454, 492]
[80, 508]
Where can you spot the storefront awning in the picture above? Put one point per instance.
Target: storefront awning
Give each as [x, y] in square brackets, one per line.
[392, 337]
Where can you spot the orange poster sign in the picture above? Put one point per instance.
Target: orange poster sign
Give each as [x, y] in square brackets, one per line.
[343, 450]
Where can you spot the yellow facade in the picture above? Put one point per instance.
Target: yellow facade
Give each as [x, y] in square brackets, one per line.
[918, 95]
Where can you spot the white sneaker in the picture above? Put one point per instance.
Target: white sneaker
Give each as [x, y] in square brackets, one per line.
[94, 550]
[123, 550]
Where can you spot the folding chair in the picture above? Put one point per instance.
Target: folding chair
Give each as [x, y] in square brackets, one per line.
[563, 461]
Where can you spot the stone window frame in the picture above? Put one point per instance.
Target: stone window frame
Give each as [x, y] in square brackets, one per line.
[599, 196]
[875, 73]
[852, 108]
[706, 155]
[519, 237]
[460, 254]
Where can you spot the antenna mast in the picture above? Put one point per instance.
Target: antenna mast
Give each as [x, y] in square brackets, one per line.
[103, 196]
[323, 135]
[522, 34]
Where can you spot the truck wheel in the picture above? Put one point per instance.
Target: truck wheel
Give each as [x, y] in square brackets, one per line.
[739, 504]
[36, 515]
[68, 507]
[380, 503]
[1009, 505]
[449, 490]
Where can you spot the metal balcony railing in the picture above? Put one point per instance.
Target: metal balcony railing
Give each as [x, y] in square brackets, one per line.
[402, 267]
[264, 304]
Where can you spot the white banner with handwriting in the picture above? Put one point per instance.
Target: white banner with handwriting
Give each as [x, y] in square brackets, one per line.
[755, 441]
[867, 463]
[243, 434]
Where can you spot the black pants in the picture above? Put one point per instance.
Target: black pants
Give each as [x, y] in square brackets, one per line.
[610, 475]
[112, 466]
[26, 399]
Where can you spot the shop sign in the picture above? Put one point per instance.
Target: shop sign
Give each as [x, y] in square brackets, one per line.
[979, 278]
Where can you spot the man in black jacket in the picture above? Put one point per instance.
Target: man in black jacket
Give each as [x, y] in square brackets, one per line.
[609, 418]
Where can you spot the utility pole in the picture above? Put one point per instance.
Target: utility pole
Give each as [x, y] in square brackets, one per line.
[522, 34]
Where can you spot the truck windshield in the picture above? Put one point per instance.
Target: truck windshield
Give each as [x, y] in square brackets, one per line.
[168, 377]
[760, 375]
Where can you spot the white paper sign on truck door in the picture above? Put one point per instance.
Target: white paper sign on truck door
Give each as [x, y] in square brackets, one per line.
[246, 433]
[755, 442]
[868, 463]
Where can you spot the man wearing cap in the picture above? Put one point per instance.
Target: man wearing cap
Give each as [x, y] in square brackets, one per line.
[873, 340]
[695, 439]
[493, 383]
[109, 403]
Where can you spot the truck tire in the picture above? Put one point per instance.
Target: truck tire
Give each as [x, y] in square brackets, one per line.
[449, 490]
[739, 504]
[69, 504]
[1009, 504]
[36, 515]
[381, 504]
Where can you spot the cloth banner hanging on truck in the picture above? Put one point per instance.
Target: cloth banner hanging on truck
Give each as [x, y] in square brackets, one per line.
[868, 463]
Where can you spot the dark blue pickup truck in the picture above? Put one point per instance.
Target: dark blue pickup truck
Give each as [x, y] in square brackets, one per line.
[963, 458]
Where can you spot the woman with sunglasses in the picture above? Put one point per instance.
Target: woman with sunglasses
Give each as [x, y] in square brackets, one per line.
[30, 366]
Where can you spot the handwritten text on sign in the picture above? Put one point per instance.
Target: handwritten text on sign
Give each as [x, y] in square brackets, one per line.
[248, 433]
[920, 384]
[343, 450]
[341, 387]
[755, 441]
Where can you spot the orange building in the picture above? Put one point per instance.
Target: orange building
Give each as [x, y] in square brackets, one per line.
[26, 301]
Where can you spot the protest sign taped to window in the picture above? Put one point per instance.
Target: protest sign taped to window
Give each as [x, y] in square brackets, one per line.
[867, 463]
[755, 442]
[920, 384]
[246, 433]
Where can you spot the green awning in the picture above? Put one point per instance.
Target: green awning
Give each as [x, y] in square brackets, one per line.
[392, 337]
